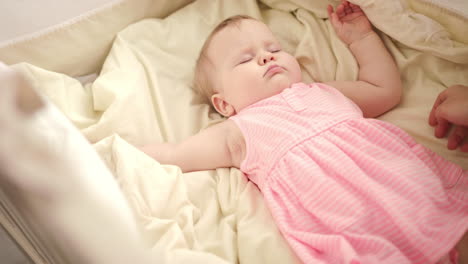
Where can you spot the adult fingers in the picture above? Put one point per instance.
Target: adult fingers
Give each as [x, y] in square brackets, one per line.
[25, 97]
[454, 109]
[441, 128]
[464, 146]
[457, 137]
[433, 115]
[442, 125]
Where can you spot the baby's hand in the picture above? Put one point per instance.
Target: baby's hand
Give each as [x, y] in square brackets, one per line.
[350, 22]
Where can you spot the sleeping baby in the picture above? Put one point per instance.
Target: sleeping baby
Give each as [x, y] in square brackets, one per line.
[342, 187]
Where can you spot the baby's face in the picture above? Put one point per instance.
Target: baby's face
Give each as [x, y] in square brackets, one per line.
[250, 64]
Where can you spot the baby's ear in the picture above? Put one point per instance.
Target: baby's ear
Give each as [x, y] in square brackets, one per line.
[222, 106]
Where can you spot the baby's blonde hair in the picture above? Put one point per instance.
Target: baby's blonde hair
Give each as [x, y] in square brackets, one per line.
[202, 83]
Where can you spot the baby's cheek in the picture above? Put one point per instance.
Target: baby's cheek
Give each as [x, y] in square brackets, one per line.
[296, 74]
[245, 76]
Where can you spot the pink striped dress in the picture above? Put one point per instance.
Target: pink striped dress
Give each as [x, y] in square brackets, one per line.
[346, 189]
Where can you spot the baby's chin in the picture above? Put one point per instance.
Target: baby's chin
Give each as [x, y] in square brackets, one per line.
[282, 83]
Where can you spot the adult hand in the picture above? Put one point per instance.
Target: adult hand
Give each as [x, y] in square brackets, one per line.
[13, 82]
[451, 109]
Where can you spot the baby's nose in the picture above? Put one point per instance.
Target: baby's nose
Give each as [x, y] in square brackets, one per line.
[267, 57]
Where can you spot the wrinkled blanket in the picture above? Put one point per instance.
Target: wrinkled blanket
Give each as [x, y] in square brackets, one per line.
[142, 95]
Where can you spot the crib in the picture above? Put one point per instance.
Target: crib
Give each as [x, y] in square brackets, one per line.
[117, 74]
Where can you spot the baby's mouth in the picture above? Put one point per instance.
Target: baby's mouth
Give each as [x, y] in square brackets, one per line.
[272, 70]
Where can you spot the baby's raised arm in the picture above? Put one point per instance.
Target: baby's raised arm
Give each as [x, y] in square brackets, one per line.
[213, 147]
[378, 88]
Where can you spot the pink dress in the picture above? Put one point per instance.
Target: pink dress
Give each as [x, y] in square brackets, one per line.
[346, 189]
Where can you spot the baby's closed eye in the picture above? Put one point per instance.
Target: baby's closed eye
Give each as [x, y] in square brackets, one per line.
[245, 59]
[273, 48]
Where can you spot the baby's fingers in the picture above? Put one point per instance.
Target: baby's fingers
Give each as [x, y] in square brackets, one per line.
[341, 10]
[330, 11]
[335, 21]
[355, 8]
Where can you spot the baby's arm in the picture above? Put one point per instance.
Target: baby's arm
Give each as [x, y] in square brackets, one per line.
[378, 88]
[211, 148]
